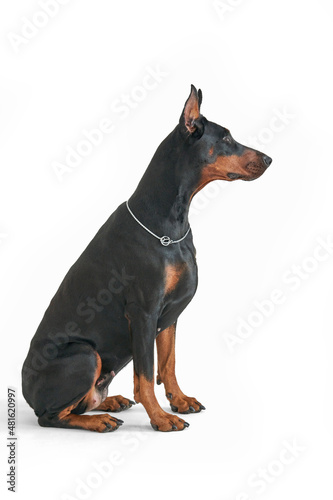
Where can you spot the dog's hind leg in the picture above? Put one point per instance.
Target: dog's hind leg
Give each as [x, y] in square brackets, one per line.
[65, 387]
[114, 404]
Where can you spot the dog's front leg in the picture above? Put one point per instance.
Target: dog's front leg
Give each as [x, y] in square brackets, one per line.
[142, 328]
[180, 403]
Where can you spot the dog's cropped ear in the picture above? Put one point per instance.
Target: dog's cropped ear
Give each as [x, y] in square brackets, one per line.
[190, 120]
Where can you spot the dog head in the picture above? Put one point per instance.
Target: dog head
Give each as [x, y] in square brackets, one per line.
[214, 151]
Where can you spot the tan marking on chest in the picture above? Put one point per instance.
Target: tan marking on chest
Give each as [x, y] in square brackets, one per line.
[173, 273]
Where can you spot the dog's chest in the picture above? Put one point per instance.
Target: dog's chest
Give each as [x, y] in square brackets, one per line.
[180, 283]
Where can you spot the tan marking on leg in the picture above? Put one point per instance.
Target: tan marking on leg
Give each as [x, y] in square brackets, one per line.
[115, 403]
[92, 399]
[159, 418]
[165, 343]
[136, 388]
[98, 423]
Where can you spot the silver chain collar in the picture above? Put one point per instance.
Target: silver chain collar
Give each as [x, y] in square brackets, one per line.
[164, 240]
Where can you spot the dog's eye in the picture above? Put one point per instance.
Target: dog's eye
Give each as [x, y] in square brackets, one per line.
[227, 139]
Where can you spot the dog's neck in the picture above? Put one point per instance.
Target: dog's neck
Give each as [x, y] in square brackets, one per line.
[162, 199]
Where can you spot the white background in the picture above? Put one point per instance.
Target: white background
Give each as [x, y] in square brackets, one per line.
[253, 60]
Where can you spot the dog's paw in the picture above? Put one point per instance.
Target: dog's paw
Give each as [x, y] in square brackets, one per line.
[184, 404]
[168, 422]
[103, 423]
[115, 404]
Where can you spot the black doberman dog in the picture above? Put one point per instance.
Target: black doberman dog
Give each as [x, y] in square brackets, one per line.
[129, 286]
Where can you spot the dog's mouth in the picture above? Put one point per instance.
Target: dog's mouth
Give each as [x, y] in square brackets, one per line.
[255, 169]
[233, 176]
[252, 169]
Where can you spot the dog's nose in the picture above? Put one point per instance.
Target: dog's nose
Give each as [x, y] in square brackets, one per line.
[267, 160]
